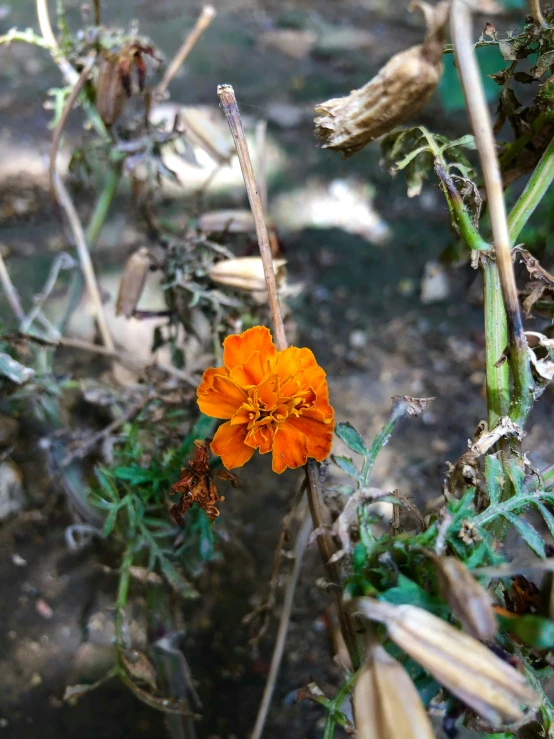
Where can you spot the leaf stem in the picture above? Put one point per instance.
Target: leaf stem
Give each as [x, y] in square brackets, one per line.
[534, 191]
[122, 595]
[342, 692]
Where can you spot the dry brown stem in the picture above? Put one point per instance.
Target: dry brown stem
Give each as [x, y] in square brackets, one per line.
[536, 12]
[64, 200]
[277, 656]
[206, 16]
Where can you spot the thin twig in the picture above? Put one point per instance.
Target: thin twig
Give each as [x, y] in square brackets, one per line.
[468, 69]
[204, 19]
[229, 104]
[62, 261]
[86, 447]
[70, 102]
[299, 549]
[536, 12]
[261, 153]
[11, 292]
[70, 74]
[65, 202]
[319, 511]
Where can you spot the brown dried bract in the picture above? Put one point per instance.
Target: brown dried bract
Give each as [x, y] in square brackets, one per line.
[196, 485]
[395, 94]
[114, 79]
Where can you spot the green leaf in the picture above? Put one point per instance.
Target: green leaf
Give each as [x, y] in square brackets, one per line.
[136, 475]
[494, 475]
[109, 523]
[176, 579]
[466, 142]
[516, 474]
[347, 465]
[106, 483]
[352, 438]
[548, 517]
[529, 535]
[533, 630]
[408, 592]
[15, 371]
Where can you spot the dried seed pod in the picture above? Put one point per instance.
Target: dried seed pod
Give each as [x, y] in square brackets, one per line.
[386, 702]
[110, 92]
[399, 90]
[228, 221]
[480, 679]
[132, 282]
[470, 603]
[246, 273]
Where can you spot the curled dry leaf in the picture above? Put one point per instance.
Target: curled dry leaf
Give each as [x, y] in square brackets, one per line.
[395, 94]
[246, 273]
[139, 667]
[110, 92]
[132, 282]
[480, 679]
[471, 604]
[386, 702]
[505, 427]
[403, 405]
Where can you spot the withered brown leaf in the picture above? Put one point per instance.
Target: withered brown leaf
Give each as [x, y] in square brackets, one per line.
[196, 485]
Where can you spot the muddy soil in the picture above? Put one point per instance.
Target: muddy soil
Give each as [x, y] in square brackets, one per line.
[359, 310]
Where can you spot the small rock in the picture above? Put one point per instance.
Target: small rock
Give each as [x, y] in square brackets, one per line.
[435, 286]
[357, 339]
[12, 497]
[18, 560]
[43, 609]
[35, 680]
[290, 41]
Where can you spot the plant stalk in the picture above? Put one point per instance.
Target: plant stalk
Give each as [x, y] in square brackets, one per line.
[534, 191]
[319, 511]
[496, 341]
[468, 69]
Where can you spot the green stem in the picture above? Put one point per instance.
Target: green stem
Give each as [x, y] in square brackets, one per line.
[122, 594]
[535, 190]
[94, 228]
[336, 703]
[496, 341]
[458, 213]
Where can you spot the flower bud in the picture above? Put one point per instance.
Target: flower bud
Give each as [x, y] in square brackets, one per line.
[395, 94]
[480, 679]
[386, 702]
[471, 604]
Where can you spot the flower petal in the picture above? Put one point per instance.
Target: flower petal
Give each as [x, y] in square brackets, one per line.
[319, 435]
[261, 437]
[228, 443]
[290, 448]
[208, 376]
[250, 372]
[238, 347]
[222, 399]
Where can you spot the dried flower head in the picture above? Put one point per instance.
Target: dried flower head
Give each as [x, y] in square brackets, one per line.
[386, 702]
[195, 484]
[132, 282]
[395, 94]
[480, 679]
[273, 401]
[114, 79]
[468, 533]
[471, 604]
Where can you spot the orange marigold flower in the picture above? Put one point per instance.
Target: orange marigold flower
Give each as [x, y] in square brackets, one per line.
[273, 401]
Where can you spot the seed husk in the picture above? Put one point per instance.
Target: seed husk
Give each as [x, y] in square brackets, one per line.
[110, 92]
[484, 682]
[470, 603]
[386, 702]
[399, 91]
[132, 282]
